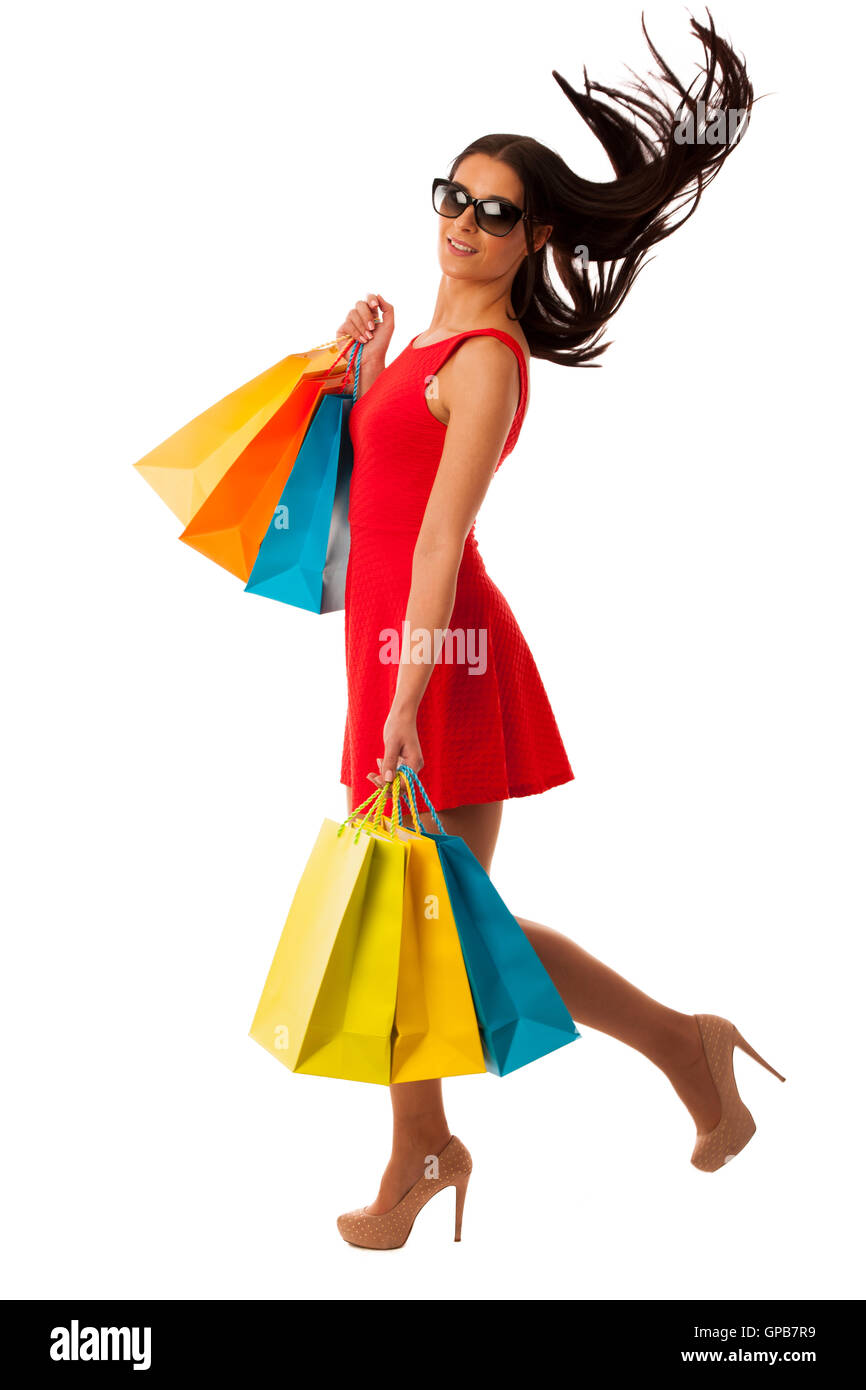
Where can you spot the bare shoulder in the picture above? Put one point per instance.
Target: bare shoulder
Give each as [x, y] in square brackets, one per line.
[481, 367]
[482, 361]
[483, 351]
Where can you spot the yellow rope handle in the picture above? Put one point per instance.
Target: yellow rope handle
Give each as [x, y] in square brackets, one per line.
[374, 811]
[375, 804]
[379, 809]
[352, 814]
[333, 343]
[391, 790]
[360, 807]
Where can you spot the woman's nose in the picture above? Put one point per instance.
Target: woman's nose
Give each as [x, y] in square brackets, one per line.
[466, 221]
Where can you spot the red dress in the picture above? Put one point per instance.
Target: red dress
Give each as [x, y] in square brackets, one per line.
[485, 724]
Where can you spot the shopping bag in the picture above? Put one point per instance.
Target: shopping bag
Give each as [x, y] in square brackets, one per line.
[435, 1027]
[327, 1007]
[520, 1014]
[367, 983]
[229, 525]
[304, 552]
[186, 467]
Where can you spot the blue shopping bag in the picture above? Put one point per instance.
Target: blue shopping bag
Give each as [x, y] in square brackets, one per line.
[304, 553]
[521, 1016]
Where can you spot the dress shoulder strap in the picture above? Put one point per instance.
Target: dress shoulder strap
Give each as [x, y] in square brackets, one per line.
[437, 353]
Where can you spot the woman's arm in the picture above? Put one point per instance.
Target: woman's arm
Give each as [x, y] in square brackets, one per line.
[481, 399]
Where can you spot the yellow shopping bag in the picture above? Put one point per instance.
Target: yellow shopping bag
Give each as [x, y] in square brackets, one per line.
[186, 467]
[436, 1030]
[368, 981]
[327, 1007]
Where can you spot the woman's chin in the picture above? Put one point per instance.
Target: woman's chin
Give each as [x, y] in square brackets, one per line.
[456, 268]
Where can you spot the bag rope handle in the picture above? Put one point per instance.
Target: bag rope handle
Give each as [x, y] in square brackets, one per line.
[375, 804]
[412, 779]
[320, 347]
[406, 790]
[406, 777]
[353, 360]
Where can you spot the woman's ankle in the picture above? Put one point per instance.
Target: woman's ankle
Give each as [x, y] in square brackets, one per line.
[676, 1044]
[420, 1138]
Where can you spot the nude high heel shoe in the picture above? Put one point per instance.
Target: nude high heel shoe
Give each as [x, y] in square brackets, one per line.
[390, 1229]
[736, 1126]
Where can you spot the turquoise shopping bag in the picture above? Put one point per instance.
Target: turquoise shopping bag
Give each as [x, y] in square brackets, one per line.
[521, 1017]
[304, 553]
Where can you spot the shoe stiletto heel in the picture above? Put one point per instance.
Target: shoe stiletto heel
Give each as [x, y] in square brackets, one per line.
[740, 1041]
[391, 1229]
[460, 1187]
[736, 1126]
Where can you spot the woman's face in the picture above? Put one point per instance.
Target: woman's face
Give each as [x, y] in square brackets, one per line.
[492, 257]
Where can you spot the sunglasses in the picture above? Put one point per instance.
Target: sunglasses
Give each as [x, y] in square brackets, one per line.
[496, 216]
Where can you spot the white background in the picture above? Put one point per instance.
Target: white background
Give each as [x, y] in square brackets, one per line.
[197, 190]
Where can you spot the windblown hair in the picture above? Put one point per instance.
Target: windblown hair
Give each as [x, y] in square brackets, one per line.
[663, 159]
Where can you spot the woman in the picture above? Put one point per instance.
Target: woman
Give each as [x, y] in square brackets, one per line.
[429, 431]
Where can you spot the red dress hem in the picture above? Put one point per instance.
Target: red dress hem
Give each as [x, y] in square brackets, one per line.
[513, 793]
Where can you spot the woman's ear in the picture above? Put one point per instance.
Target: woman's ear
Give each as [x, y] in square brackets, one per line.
[540, 236]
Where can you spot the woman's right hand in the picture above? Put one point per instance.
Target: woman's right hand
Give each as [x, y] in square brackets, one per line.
[362, 325]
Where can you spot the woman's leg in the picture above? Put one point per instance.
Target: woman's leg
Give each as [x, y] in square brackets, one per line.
[596, 995]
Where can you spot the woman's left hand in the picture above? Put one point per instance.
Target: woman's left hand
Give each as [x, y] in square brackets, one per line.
[401, 746]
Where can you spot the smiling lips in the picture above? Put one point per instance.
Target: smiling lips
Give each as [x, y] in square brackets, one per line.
[459, 248]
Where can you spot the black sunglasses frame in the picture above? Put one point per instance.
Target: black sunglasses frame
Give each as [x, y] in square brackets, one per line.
[474, 203]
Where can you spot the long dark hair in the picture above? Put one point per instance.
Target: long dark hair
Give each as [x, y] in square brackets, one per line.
[663, 158]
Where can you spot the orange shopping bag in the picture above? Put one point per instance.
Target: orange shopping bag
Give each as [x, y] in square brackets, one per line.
[229, 526]
[186, 467]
